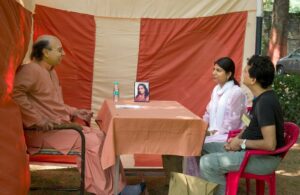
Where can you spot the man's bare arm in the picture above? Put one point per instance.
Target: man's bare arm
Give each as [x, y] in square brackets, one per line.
[267, 143]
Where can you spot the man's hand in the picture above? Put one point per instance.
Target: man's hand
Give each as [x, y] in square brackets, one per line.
[44, 125]
[233, 144]
[84, 114]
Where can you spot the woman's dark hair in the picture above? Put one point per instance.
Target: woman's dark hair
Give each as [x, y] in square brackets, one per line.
[37, 50]
[146, 89]
[262, 69]
[228, 65]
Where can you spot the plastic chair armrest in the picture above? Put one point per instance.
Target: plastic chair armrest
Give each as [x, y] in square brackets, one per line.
[250, 153]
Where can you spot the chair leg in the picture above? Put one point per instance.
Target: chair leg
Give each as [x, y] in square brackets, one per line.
[248, 190]
[260, 187]
[232, 183]
[82, 174]
[272, 185]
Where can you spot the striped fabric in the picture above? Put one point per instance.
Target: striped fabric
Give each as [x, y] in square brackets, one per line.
[170, 43]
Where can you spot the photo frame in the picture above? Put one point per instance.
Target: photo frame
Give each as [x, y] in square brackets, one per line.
[141, 91]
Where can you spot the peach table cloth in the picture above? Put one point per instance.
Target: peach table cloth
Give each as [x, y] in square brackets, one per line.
[156, 127]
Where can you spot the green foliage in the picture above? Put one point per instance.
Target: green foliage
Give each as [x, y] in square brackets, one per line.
[294, 6]
[287, 87]
[268, 5]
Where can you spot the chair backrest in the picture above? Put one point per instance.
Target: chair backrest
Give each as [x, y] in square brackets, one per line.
[233, 133]
[291, 134]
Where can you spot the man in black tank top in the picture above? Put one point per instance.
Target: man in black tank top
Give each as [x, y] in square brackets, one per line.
[263, 132]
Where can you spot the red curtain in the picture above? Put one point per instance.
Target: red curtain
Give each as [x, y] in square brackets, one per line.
[15, 31]
[76, 70]
[176, 55]
[14, 39]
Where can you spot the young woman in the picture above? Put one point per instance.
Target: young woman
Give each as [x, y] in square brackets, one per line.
[225, 108]
[227, 103]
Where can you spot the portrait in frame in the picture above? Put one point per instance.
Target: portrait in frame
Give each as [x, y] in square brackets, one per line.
[141, 91]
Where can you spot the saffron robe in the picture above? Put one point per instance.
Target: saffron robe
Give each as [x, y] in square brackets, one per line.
[39, 95]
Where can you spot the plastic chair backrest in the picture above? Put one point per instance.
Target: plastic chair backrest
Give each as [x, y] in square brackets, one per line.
[291, 134]
[233, 133]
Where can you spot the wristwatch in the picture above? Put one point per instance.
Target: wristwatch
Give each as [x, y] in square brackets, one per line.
[243, 145]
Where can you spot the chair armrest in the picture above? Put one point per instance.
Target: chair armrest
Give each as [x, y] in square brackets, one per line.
[80, 121]
[250, 153]
[60, 127]
[68, 126]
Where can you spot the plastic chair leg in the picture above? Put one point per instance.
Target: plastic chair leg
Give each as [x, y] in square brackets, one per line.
[248, 190]
[232, 183]
[260, 187]
[272, 186]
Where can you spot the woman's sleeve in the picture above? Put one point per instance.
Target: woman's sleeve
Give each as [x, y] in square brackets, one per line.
[206, 114]
[235, 108]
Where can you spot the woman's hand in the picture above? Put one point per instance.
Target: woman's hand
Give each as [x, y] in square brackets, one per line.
[213, 132]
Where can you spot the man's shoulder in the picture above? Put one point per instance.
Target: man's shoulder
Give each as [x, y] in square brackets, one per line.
[268, 99]
[268, 96]
[28, 68]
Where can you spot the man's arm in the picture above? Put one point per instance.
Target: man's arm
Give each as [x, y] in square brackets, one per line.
[72, 111]
[83, 114]
[267, 143]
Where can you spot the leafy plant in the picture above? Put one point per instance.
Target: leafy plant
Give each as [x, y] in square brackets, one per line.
[287, 88]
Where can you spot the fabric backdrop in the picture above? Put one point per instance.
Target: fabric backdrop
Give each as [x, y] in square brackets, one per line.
[15, 22]
[170, 43]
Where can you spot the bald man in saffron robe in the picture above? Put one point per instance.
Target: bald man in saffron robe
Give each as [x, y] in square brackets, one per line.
[38, 93]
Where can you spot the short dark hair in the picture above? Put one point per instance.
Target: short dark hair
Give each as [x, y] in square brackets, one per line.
[262, 69]
[37, 49]
[228, 65]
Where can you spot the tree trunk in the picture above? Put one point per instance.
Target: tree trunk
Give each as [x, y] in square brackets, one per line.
[278, 35]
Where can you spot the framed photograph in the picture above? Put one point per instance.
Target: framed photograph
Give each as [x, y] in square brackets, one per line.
[141, 92]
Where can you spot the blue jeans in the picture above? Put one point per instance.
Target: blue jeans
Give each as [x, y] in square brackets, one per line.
[216, 162]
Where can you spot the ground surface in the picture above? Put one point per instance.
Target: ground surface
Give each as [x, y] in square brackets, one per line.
[288, 178]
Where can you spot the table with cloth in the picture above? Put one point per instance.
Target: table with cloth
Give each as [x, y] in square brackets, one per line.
[155, 127]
